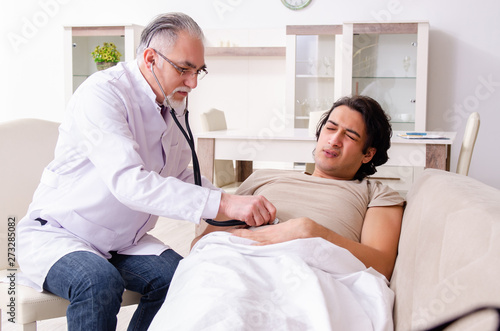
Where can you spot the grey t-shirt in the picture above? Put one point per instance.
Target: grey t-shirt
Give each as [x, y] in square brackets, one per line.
[339, 205]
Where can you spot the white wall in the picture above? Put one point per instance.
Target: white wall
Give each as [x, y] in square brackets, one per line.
[464, 63]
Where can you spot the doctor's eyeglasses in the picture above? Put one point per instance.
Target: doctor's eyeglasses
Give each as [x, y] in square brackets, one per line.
[200, 73]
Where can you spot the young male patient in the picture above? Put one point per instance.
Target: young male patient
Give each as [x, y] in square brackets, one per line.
[290, 272]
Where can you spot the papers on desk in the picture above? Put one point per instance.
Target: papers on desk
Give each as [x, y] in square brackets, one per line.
[420, 135]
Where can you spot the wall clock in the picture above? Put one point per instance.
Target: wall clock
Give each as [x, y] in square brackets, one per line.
[296, 4]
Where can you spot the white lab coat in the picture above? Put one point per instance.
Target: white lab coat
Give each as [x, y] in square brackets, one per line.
[117, 164]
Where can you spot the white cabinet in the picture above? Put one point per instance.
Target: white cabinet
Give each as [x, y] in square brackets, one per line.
[399, 178]
[387, 61]
[80, 41]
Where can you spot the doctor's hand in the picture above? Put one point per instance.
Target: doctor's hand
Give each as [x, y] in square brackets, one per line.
[254, 210]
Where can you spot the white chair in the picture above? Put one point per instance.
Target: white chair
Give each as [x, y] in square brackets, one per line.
[224, 173]
[468, 142]
[314, 118]
[26, 147]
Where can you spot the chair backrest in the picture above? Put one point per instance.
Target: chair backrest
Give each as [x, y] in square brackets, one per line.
[468, 142]
[215, 120]
[314, 118]
[26, 147]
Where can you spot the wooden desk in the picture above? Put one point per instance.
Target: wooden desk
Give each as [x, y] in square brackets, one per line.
[296, 145]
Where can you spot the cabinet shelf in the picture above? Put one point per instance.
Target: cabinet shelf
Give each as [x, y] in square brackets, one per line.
[245, 51]
[401, 121]
[385, 77]
[315, 76]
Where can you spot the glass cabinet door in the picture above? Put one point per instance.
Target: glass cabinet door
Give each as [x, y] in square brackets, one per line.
[83, 63]
[311, 70]
[389, 64]
[80, 41]
[314, 76]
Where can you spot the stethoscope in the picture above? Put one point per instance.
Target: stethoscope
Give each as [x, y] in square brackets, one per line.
[189, 137]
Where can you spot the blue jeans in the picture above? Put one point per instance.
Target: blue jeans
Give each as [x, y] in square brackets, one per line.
[94, 287]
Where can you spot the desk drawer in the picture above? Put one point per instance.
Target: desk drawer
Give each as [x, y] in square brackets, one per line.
[398, 178]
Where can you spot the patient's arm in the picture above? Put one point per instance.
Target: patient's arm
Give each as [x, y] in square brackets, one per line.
[379, 236]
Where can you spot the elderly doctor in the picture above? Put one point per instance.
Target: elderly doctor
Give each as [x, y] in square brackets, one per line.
[119, 162]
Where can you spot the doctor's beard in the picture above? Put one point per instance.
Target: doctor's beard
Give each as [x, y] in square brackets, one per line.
[178, 105]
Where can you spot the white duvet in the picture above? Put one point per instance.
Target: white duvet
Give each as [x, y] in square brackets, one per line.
[306, 284]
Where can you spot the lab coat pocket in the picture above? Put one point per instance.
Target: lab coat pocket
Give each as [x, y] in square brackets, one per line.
[172, 158]
[49, 178]
[98, 236]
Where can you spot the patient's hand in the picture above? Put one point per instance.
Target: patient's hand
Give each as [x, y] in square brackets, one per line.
[292, 229]
[210, 228]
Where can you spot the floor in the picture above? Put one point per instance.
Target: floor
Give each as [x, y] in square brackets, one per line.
[177, 234]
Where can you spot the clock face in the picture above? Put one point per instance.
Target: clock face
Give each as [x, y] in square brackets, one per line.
[296, 4]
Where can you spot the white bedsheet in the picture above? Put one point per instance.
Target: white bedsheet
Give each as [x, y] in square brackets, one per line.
[307, 284]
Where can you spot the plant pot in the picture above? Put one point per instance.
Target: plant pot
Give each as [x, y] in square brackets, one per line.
[105, 65]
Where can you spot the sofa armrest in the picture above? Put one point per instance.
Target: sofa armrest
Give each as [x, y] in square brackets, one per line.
[448, 260]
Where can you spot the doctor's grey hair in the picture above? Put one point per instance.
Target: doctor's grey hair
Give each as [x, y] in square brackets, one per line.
[162, 32]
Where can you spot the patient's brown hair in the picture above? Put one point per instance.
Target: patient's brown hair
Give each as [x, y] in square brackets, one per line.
[378, 130]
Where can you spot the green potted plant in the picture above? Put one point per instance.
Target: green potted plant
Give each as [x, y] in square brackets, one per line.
[106, 56]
